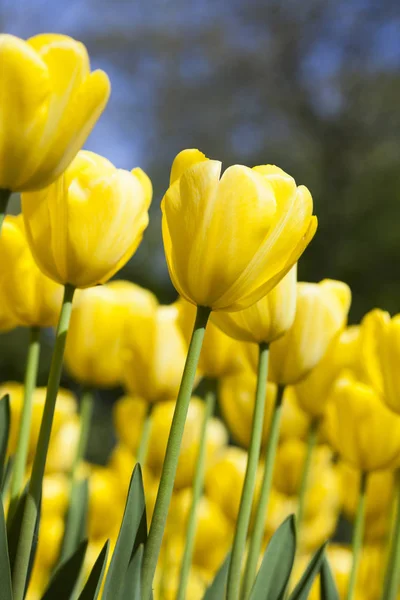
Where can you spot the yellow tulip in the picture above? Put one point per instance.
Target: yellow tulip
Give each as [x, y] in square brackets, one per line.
[55, 492]
[340, 561]
[31, 298]
[388, 355]
[361, 428]
[38, 582]
[344, 352]
[51, 531]
[295, 423]
[220, 354]
[266, 320]
[94, 349]
[86, 225]
[50, 103]
[214, 531]
[379, 499]
[129, 413]
[155, 356]
[63, 446]
[65, 409]
[321, 314]
[105, 502]
[229, 240]
[161, 419]
[7, 321]
[224, 480]
[373, 328]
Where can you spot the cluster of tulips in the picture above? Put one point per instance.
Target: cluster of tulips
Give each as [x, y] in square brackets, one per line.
[253, 416]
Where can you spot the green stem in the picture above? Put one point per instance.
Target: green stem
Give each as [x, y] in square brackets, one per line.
[166, 485]
[35, 485]
[243, 520]
[21, 453]
[73, 518]
[4, 198]
[141, 452]
[358, 534]
[262, 508]
[198, 483]
[392, 577]
[311, 443]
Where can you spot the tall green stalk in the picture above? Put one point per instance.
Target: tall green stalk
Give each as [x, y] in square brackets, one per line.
[21, 453]
[4, 198]
[358, 534]
[141, 452]
[262, 507]
[311, 443]
[86, 412]
[35, 485]
[392, 577]
[198, 483]
[246, 501]
[166, 485]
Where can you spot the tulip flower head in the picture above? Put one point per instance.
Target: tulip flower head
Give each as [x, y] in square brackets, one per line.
[86, 225]
[30, 298]
[230, 239]
[266, 320]
[50, 103]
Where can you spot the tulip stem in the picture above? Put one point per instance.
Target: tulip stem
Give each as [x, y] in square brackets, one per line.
[21, 453]
[358, 534]
[141, 452]
[262, 507]
[72, 520]
[166, 485]
[4, 198]
[198, 483]
[392, 577]
[243, 520]
[32, 503]
[311, 443]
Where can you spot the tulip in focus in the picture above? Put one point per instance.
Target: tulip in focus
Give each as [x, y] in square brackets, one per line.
[50, 103]
[321, 314]
[230, 239]
[30, 298]
[86, 225]
[266, 320]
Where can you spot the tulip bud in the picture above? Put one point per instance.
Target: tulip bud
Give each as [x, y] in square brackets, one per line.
[230, 239]
[50, 103]
[266, 320]
[321, 314]
[154, 356]
[361, 428]
[220, 354]
[86, 225]
[30, 298]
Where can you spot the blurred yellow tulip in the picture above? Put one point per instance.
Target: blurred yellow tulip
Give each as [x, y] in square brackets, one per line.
[86, 225]
[380, 487]
[63, 446]
[361, 428]
[65, 409]
[51, 531]
[161, 419]
[321, 314]
[344, 352]
[220, 354]
[294, 421]
[106, 504]
[154, 356]
[371, 333]
[50, 103]
[266, 320]
[55, 493]
[129, 413]
[229, 240]
[29, 297]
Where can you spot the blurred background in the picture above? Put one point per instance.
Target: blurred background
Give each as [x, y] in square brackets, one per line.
[312, 86]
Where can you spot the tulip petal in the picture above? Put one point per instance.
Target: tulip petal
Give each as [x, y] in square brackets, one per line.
[184, 160]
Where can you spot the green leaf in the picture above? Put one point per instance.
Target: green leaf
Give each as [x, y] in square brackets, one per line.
[5, 571]
[14, 530]
[304, 586]
[65, 578]
[328, 586]
[133, 580]
[4, 431]
[272, 579]
[75, 527]
[5, 482]
[132, 533]
[95, 579]
[217, 589]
